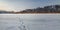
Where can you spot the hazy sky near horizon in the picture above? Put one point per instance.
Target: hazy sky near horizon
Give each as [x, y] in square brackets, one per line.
[25, 4]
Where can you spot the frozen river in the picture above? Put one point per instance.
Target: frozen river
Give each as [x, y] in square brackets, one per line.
[29, 21]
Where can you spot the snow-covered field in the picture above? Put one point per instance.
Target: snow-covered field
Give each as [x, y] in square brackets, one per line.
[30, 21]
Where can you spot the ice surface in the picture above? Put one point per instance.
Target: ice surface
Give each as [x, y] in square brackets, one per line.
[30, 22]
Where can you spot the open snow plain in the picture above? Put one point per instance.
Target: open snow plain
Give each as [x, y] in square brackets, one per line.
[29, 21]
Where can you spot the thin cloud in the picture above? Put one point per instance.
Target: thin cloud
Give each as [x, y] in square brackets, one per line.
[26, 4]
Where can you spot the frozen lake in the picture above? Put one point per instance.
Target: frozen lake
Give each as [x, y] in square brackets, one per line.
[30, 21]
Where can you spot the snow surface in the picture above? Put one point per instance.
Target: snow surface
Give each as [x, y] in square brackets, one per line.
[29, 21]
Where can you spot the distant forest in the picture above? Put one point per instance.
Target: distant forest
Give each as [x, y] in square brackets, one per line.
[45, 9]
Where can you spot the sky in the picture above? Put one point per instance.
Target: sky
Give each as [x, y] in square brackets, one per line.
[18, 5]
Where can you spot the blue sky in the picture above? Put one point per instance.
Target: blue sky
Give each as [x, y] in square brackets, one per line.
[25, 4]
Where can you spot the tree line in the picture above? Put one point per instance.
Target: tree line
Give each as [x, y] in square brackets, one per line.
[45, 9]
